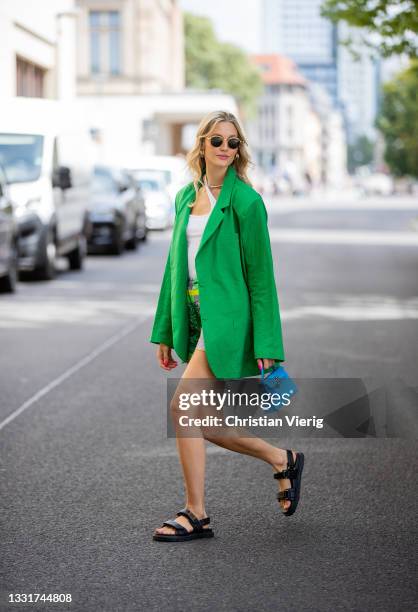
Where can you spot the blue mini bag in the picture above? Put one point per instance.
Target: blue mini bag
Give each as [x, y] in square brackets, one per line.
[278, 381]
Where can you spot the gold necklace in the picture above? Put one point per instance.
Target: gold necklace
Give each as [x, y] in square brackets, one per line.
[212, 186]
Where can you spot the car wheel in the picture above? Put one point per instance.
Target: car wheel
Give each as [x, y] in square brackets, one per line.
[48, 271]
[118, 245]
[132, 243]
[143, 233]
[9, 281]
[76, 257]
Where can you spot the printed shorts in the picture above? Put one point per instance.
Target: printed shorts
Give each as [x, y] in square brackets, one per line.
[195, 323]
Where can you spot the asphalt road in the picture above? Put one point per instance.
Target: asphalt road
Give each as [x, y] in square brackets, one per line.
[87, 471]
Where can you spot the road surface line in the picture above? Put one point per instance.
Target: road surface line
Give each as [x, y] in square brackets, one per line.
[357, 237]
[77, 366]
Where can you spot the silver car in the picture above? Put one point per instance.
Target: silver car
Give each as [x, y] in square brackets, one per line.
[159, 207]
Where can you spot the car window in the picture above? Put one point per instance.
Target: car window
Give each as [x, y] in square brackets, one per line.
[21, 156]
[148, 185]
[103, 181]
[161, 176]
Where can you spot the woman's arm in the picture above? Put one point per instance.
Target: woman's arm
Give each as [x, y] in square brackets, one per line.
[162, 330]
[268, 340]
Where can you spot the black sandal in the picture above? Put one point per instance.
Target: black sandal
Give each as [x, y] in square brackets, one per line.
[294, 473]
[182, 534]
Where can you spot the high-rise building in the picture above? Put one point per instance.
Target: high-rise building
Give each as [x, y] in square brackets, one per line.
[358, 86]
[295, 28]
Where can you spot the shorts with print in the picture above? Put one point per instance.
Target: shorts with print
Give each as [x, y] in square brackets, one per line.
[195, 323]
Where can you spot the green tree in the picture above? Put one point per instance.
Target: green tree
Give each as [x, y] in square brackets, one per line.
[360, 153]
[390, 26]
[211, 64]
[398, 122]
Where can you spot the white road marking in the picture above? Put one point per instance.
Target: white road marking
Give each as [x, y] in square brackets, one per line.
[338, 202]
[383, 312]
[42, 312]
[70, 371]
[356, 237]
[347, 307]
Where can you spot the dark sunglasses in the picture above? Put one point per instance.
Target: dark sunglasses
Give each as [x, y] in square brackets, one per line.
[216, 141]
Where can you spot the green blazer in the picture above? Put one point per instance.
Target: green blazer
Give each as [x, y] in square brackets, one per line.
[239, 307]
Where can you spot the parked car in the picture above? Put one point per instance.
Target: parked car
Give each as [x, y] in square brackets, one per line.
[8, 239]
[378, 183]
[116, 211]
[159, 207]
[45, 151]
[172, 167]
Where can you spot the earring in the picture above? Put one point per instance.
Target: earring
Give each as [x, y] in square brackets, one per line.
[237, 155]
[202, 154]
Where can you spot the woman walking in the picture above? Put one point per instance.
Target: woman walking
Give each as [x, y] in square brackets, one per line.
[218, 307]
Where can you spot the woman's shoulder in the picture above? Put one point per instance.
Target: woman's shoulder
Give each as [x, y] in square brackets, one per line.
[244, 196]
[184, 193]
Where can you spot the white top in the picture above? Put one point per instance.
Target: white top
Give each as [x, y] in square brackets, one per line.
[194, 232]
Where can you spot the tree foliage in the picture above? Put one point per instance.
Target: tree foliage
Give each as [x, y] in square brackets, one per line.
[360, 153]
[390, 26]
[211, 64]
[398, 122]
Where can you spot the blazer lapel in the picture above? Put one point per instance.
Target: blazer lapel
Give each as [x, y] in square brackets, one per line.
[215, 218]
[217, 215]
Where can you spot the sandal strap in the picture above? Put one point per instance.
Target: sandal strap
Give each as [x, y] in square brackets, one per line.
[196, 523]
[179, 528]
[286, 494]
[290, 472]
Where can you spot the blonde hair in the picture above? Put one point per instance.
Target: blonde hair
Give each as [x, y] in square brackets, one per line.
[196, 163]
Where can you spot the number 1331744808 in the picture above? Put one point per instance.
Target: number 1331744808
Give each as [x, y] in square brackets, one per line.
[36, 597]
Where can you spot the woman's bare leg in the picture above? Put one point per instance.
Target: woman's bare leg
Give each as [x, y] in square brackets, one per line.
[191, 450]
[255, 447]
[240, 440]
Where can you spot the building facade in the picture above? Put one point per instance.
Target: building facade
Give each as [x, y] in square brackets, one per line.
[131, 79]
[284, 136]
[129, 47]
[37, 56]
[333, 149]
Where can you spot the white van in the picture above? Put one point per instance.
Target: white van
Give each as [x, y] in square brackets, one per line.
[47, 156]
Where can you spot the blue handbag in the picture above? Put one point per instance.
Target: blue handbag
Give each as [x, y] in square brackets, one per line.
[278, 381]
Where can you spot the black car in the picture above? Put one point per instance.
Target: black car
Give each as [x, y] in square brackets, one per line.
[116, 211]
[8, 240]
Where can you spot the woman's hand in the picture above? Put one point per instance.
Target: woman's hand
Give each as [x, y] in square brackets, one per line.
[267, 363]
[164, 357]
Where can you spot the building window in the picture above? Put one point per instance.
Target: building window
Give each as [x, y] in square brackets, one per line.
[105, 42]
[29, 79]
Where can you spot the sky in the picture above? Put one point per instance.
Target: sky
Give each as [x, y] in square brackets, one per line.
[236, 21]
